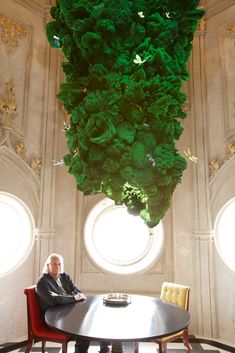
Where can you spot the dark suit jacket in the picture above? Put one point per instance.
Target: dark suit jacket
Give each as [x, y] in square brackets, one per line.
[49, 292]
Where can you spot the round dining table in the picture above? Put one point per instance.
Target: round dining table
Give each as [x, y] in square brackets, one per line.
[143, 318]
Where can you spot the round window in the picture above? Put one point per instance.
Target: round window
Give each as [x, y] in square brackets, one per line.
[16, 233]
[119, 242]
[224, 233]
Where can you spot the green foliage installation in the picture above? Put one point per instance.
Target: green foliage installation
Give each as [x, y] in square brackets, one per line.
[125, 64]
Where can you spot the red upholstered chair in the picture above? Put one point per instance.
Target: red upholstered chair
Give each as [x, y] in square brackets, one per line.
[37, 329]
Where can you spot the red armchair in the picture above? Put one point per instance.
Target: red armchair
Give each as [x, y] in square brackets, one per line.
[37, 329]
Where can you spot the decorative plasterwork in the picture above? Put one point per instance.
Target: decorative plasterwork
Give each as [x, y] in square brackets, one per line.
[36, 165]
[214, 167]
[47, 17]
[11, 33]
[215, 164]
[9, 136]
[216, 7]
[201, 28]
[20, 150]
[185, 107]
[227, 60]
[36, 6]
[234, 109]
[8, 105]
[230, 31]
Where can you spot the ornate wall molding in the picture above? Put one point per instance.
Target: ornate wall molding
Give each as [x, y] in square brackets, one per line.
[218, 7]
[8, 111]
[8, 105]
[227, 70]
[45, 234]
[201, 28]
[215, 164]
[18, 179]
[11, 33]
[36, 6]
[203, 235]
[9, 136]
[222, 187]
[230, 31]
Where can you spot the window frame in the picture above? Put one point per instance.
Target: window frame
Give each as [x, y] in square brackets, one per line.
[23, 217]
[218, 234]
[149, 257]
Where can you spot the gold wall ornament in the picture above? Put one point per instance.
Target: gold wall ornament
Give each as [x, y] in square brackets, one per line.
[230, 31]
[8, 105]
[185, 107]
[11, 33]
[47, 17]
[20, 149]
[36, 165]
[201, 28]
[214, 166]
[229, 151]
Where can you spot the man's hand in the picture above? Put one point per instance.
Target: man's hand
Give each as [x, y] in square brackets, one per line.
[79, 296]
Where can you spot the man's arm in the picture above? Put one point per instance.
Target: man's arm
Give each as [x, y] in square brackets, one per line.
[68, 284]
[70, 287]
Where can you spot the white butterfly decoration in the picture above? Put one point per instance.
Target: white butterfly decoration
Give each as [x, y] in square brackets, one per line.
[138, 60]
[168, 15]
[151, 159]
[192, 158]
[66, 126]
[60, 162]
[141, 14]
[56, 40]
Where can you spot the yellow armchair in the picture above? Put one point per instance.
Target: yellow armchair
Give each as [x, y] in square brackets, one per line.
[176, 294]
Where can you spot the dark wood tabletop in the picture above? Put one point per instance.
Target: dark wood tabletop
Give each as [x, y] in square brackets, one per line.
[143, 319]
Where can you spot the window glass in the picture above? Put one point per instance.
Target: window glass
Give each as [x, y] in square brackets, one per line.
[225, 234]
[16, 233]
[119, 242]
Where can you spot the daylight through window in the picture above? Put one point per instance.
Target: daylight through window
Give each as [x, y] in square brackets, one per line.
[16, 233]
[224, 233]
[119, 242]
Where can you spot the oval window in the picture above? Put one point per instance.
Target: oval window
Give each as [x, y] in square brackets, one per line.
[224, 233]
[119, 242]
[16, 233]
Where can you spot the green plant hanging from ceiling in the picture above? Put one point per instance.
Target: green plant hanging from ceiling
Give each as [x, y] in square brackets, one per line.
[125, 64]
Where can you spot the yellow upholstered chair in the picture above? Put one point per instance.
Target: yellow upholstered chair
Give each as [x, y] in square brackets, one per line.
[179, 295]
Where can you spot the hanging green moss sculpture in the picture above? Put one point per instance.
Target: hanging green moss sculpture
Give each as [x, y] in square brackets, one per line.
[125, 64]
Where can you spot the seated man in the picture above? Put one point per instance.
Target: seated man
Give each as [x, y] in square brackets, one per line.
[55, 287]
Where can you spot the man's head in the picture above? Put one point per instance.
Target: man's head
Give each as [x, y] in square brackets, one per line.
[54, 265]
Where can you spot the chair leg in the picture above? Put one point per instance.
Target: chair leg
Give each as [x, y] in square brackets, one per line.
[186, 341]
[29, 345]
[43, 346]
[64, 347]
[162, 347]
[136, 347]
